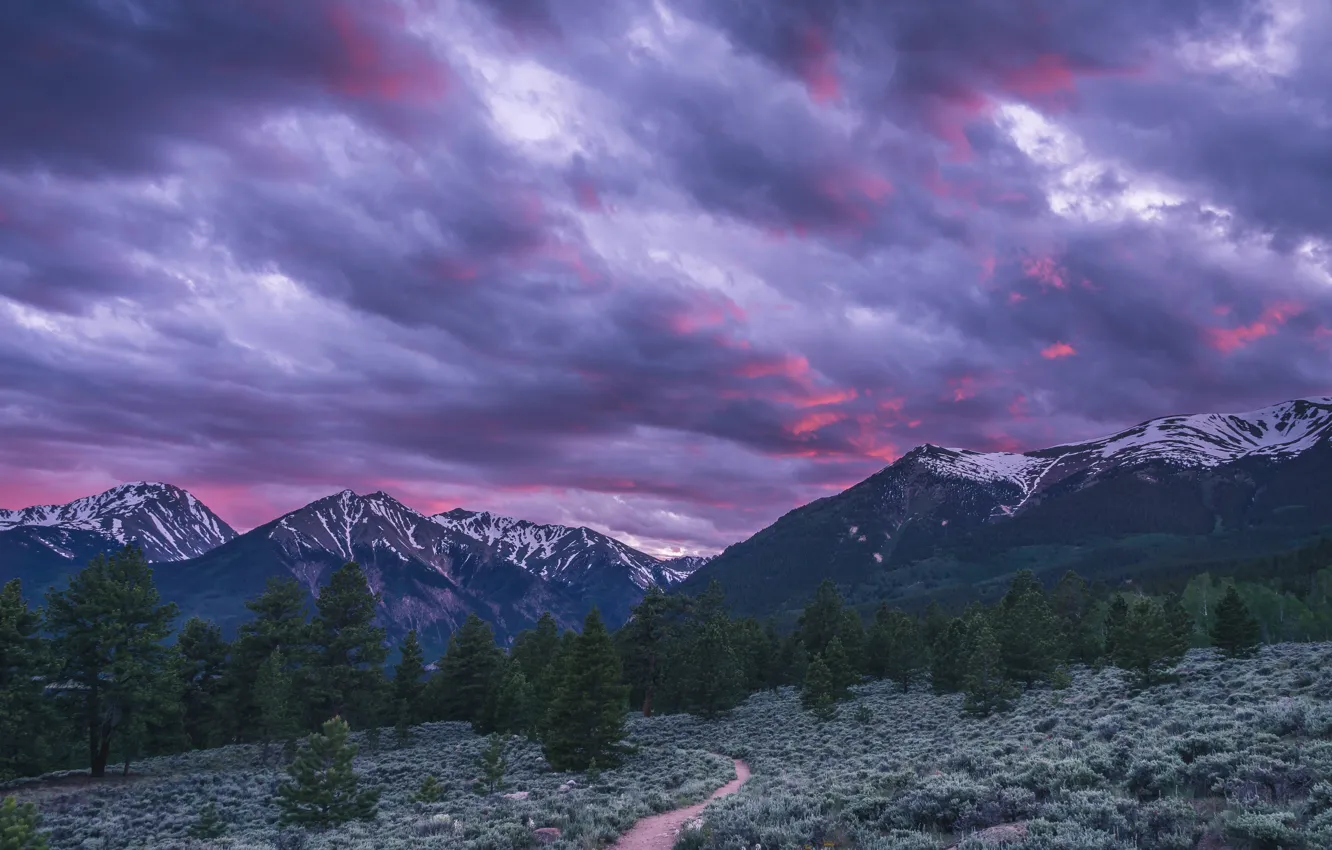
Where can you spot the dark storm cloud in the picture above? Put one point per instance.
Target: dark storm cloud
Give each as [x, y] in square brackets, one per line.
[666, 269]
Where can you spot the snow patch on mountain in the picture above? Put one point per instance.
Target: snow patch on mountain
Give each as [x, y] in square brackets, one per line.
[168, 523]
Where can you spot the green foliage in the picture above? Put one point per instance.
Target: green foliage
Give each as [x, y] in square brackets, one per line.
[896, 648]
[107, 628]
[492, 765]
[19, 826]
[24, 715]
[948, 659]
[409, 681]
[822, 619]
[279, 623]
[467, 672]
[710, 680]
[1027, 631]
[348, 652]
[643, 645]
[1147, 646]
[273, 696]
[209, 825]
[839, 668]
[430, 791]
[1078, 632]
[1235, 632]
[986, 688]
[323, 790]
[515, 703]
[587, 714]
[818, 694]
[204, 656]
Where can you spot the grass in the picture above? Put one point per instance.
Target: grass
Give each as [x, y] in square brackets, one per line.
[1235, 754]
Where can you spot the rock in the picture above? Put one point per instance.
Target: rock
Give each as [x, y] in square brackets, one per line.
[517, 795]
[547, 834]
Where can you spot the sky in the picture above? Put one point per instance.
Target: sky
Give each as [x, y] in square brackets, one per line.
[665, 268]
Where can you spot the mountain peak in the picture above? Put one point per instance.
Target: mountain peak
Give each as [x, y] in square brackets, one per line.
[167, 522]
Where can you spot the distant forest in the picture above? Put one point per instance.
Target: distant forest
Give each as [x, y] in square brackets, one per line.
[98, 676]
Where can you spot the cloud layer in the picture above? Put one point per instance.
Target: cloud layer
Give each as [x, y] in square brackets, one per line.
[667, 268]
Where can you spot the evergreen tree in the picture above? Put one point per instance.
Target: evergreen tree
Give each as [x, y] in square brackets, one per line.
[1179, 622]
[753, 653]
[409, 682]
[852, 634]
[430, 791]
[24, 715]
[323, 790]
[1234, 630]
[514, 703]
[492, 765]
[933, 624]
[712, 677]
[19, 825]
[1145, 646]
[1027, 631]
[587, 714]
[839, 667]
[276, 721]
[279, 623]
[467, 672]
[818, 692]
[209, 825]
[896, 649]
[347, 675]
[203, 655]
[792, 660]
[822, 619]
[108, 625]
[948, 659]
[536, 652]
[986, 690]
[643, 642]
[1072, 605]
[1116, 621]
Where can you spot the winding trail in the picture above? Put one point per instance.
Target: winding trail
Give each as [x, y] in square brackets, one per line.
[658, 832]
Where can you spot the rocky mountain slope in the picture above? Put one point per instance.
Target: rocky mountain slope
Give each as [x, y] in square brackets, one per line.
[941, 517]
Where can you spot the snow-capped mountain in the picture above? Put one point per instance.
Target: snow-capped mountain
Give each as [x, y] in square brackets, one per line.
[682, 567]
[568, 556]
[1209, 477]
[168, 523]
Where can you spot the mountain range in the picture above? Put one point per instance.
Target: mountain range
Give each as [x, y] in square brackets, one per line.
[953, 522]
[431, 571]
[938, 522]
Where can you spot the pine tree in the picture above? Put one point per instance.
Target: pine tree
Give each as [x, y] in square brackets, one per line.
[1145, 646]
[409, 681]
[323, 790]
[24, 714]
[203, 654]
[818, 692]
[19, 825]
[1179, 623]
[430, 791]
[108, 626]
[1027, 631]
[1234, 630]
[347, 675]
[642, 641]
[273, 696]
[711, 673]
[852, 634]
[492, 765]
[896, 649]
[1116, 621]
[279, 623]
[514, 703]
[839, 667]
[587, 715]
[1072, 605]
[535, 651]
[822, 619]
[986, 688]
[209, 825]
[948, 659]
[933, 623]
[467, 672]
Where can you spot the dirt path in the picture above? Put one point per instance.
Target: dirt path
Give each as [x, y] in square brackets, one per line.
[658, 832]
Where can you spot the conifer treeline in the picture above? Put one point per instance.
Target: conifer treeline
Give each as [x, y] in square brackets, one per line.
[92, 679]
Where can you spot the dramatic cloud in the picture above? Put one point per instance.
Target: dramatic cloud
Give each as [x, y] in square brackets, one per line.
[666, 268]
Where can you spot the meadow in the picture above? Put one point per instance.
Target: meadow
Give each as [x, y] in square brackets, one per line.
[1235, 753]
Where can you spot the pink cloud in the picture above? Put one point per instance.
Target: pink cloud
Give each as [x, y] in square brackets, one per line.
[1057, 350]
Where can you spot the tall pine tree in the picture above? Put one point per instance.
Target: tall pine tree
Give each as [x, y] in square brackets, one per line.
[409, 681]
[347, 674]
[279, 623]
[948, 658]
[468, 671]
[822, 619]
[1234, 630]
[986, 687]
[108, 626]
[203, 654]
[24, 718]
[1027, 631]
[1146, 647]
[587, 715]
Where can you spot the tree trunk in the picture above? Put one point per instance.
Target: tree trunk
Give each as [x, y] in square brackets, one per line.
[95, 743]
[100, 757]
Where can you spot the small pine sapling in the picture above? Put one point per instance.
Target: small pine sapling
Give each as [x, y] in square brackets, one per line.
[430, 791]
[19, 823]
[324, 791]
[492, 764]
[209, 825]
